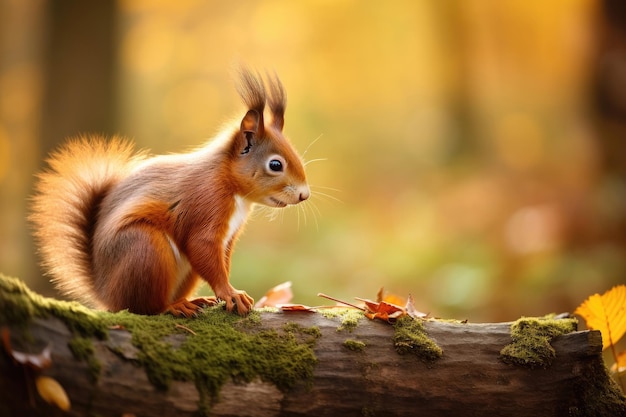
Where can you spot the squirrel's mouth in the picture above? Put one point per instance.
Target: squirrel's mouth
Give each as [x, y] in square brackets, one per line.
[277, 202]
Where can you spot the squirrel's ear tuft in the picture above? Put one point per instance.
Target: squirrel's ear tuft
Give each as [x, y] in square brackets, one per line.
[277, 100]
[251, 89]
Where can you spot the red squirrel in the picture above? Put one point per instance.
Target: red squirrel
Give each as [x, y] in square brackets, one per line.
[121, 230]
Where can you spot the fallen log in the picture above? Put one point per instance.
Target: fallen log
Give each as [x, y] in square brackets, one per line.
[297, 364]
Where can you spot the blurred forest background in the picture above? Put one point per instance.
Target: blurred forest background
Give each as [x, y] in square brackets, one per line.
[475, 150]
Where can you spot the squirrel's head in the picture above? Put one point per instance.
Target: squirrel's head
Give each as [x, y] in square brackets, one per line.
[267, 168]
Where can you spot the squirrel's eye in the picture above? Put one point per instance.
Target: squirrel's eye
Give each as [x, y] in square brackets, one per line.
[275, 165]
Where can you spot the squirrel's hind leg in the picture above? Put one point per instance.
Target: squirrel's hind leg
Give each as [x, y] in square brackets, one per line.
[138, 270]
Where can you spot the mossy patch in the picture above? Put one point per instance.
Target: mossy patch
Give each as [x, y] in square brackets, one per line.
[354, 345]
[308, 334]
[82, 349]
[215, 348]
[410, 337]
[208, 350]
[531, 340]
[18, 305]
[597, 394]
[349, 317]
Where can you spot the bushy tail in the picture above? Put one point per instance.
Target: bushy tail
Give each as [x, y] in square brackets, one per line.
[66, 204]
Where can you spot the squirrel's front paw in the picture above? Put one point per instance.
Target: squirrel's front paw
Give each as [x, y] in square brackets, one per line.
[239, 300]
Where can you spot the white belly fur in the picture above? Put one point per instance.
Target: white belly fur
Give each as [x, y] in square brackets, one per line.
[183, 266]
[237, 219]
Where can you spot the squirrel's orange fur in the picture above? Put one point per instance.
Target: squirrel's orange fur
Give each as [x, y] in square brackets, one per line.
[121, 230]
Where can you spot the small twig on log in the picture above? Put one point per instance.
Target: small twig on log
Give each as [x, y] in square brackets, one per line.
[328, 297]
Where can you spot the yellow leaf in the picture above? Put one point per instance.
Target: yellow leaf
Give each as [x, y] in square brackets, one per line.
[607, 313]
[51, 391]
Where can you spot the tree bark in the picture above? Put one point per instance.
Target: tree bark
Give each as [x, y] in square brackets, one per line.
[372, 378]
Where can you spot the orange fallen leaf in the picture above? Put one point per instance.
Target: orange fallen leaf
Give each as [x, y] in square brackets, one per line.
[382, 310]
[280, 294]
[389, 297]
[371, 306]
[296, 307]
[385, 309]
[607, 313]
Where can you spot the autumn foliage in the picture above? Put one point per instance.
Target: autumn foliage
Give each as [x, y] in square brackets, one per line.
[387, 307]
[607, 313]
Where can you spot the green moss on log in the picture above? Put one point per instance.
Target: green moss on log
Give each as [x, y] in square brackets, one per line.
[209, 350]
[597, 394]
[349, 317]
[531, 340]
[410, 337]
[354, 345]
[19, 305]
[82, 349]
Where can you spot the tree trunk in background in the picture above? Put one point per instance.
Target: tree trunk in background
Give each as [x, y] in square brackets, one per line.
[57, 78]
[609, 91]
[21, 33]
[79, 71]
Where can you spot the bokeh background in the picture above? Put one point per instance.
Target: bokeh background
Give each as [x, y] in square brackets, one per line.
[472, 153]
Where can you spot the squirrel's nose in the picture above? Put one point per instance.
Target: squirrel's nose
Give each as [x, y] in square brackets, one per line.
[304, 193]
